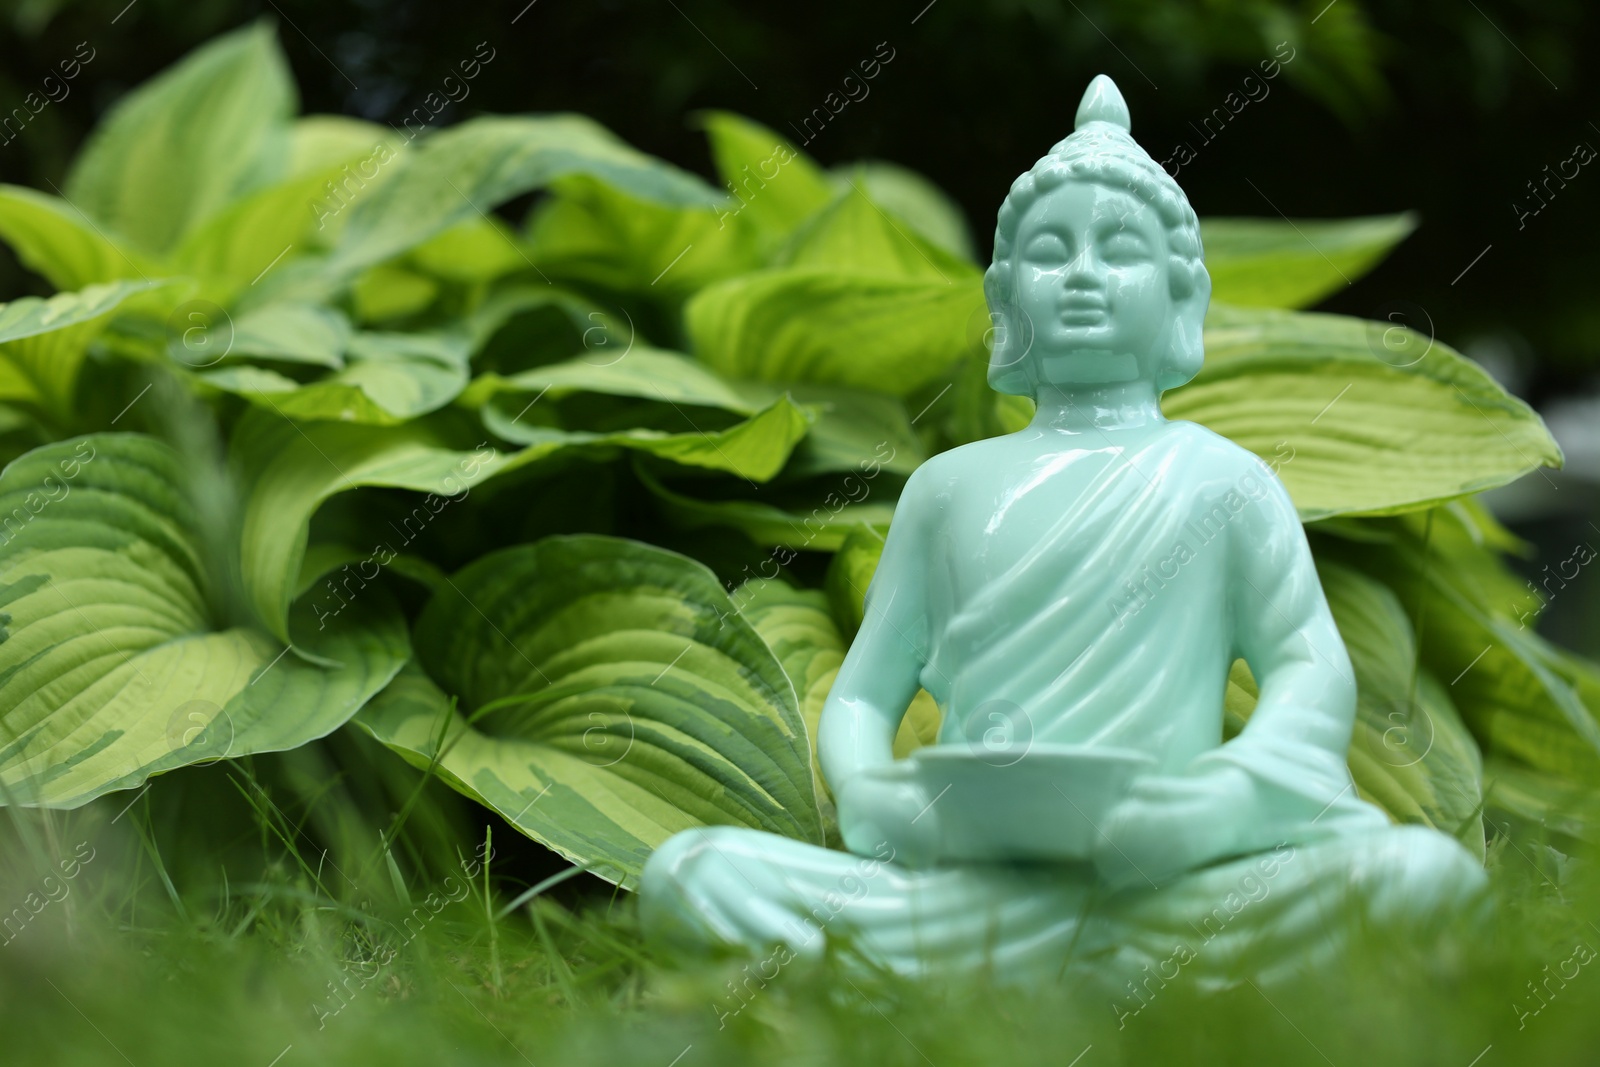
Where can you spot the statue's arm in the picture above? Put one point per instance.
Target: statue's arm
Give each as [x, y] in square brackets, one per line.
[880, 674]
[1284, 630]
[1289, 766]
[1285, 777]
[1288, 769]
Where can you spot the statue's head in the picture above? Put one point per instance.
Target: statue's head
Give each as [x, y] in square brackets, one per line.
[1098, 275]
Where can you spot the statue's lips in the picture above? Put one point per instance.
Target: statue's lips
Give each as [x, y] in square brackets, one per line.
[1084, 311]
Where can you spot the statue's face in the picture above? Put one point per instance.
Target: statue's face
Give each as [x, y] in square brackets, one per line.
[1091, 285]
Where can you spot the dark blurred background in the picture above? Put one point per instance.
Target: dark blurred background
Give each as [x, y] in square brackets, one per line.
[1453, 108]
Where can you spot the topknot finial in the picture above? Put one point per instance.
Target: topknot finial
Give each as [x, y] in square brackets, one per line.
[1102, 102]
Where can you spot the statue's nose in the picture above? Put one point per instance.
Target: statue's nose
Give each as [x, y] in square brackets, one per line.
[1084, 270]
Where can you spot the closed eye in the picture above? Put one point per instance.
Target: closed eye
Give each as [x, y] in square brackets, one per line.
[1125, 248]
[1046, 248]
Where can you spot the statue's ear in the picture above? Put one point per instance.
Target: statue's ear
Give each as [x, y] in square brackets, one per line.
[1191, 295]
[1008, 372]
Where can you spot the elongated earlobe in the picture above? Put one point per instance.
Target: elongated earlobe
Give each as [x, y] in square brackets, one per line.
[1186, 342]
[1008, 372]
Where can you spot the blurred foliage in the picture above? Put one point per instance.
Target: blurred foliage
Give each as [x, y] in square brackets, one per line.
[1446, 108]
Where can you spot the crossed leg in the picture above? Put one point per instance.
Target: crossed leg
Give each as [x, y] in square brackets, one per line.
[732, 886]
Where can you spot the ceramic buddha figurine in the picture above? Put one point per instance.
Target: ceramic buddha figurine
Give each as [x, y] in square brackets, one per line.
[1073, 596]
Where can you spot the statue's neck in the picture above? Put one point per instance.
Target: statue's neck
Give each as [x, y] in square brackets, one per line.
[1111, 406]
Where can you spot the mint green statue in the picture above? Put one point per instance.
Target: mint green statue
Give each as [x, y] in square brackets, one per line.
[1073, 596]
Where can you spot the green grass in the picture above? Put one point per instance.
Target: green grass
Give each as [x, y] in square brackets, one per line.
[253, 914]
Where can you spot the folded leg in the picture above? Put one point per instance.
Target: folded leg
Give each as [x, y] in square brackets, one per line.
[731, 887]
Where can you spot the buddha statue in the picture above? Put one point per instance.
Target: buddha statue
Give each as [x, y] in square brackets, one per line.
[1073, 595]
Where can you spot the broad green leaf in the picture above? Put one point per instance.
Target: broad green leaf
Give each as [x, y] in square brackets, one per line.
[317, 142]
[1521, 696]
[961, 406]
[775, 186]
[1290, 264]
[30, 316]
[850, 571]
[591, 232]
[373, 392]
[1238, 699]
[920, 727]
[1480, 526]
[588, 326]
[754, 449]
[236, 248]
[387, 292]
[850, 288]
[463, 172]
[13, 419]
[921, 204]
[295, 279]
[822, 327]
[1411, 754]
[56, 240]
[292, 333]
[855, 235]
[250, 237]
[816, 517]
[642, 372]
[852, 430]
[477, 250]
[43, 342]
[406, 374]
[388, 379]
[451, 345]
[320, 143]
[1351, 426]
[651, 706]
[181, 147]
[1541, 799]
[797, 626]
[288, 470]
[114, 664]
[325, 572]
[247, 379]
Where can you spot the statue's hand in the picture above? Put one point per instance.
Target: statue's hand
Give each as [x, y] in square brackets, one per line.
[1169, 824]
[884, 806]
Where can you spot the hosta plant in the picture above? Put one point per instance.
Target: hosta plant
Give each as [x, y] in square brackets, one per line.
[576, 513]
